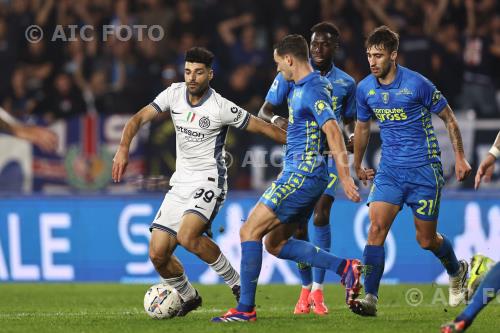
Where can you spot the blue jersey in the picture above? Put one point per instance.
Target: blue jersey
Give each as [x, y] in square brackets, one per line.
[343, 95]
[403, 111]
[309, 107]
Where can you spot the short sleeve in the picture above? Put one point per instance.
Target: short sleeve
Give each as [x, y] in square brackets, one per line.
[319, 102]
[430, 97]
[232, 115]
[364, 112]
[278, 91]
[162, 102]
[350, 104]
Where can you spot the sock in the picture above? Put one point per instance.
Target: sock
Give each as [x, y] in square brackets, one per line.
[251, 263]
[447, 257]
[305, 252]
[224, 269]
[374, 260]
[183, 287]
[317, 286]
[486, 292]
[322, 239]
[306, 276]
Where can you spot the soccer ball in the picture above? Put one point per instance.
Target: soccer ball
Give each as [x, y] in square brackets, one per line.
[162, 301]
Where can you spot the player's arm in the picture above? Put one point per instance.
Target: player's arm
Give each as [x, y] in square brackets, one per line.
[257, 125]
[336, 143]
[462, 167]
[43, 138]
[349, 125]
[487, 166]
[266, 113]
[132, 126]
[362, 134]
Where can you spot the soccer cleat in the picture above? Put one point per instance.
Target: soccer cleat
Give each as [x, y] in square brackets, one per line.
[480, 265]
[189, 305]
[458, 285]
[365, 306]
[233, 315]
[303, 306]
[236, 292]
[351, 280]
[317, 302]
[454, 327]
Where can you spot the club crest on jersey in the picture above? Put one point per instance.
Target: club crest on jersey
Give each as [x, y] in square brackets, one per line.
[190, 116]
[204, 122]
[385, 97]
[319, 106]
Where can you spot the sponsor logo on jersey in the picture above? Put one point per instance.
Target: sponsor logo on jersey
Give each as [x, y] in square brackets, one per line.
[234, 109]
[190, 132]
[204, 122]
[238, 117]
[404, 91]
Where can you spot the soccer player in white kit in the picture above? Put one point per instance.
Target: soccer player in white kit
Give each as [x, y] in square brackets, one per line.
[198, 186]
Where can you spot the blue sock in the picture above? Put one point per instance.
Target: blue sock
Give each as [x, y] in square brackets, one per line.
[305, 270]
[374, 260]
[447, 256]
[251, 263]
[486, 292]
[305, 252]
[322, 239]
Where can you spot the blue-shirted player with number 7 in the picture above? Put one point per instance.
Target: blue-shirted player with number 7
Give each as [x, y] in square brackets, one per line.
[410, 170]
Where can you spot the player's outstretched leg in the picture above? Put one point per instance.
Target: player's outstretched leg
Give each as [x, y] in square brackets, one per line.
[190, 236]
[161, 247]
[306, 276]
[486, 292]
[323, 239]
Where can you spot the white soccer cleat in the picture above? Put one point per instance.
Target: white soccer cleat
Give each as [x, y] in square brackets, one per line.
[458, 285]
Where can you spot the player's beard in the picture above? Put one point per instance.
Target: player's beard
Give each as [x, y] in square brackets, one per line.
[384, 71]
[199, 90]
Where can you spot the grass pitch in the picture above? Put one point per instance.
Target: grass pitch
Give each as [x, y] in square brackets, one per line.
[118, 308]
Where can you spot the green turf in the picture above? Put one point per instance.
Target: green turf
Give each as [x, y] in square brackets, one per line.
[118, 308]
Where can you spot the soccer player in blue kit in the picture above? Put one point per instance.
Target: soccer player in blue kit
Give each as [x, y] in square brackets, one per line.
[410, 170]
[324, 42]
[290, 200]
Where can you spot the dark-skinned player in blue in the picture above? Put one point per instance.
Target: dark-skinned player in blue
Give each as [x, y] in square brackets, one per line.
[324, 43]
[290, 200]
[410, 170]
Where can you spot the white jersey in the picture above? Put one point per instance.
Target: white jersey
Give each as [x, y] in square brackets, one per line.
[200, 133]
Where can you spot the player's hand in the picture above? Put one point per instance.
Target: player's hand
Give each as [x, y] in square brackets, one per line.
[351, 190]
[462, 169]
[120, 162]
[486, 169]
[365, 174]
[43, 138]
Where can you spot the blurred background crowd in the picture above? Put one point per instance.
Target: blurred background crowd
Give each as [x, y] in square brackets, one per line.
[455, 43]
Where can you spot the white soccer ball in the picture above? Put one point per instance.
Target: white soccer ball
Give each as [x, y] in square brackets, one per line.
[162, 301]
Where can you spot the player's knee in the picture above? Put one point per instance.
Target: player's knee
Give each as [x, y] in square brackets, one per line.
[158, 258]
[273, 248]
[426, 243]
[187, 241]
[321, 217]
[249, 234]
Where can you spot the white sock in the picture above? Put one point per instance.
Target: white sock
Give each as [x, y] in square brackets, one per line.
[183, 287]
[224, 269]
[308, 287]
[317, 286]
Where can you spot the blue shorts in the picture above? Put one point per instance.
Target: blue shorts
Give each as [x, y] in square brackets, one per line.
[293, 196]
[333, 179]
[420, 188]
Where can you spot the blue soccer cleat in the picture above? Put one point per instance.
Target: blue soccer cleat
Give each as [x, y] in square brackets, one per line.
[234, 315]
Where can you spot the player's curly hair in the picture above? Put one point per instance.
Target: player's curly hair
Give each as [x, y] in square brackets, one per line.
[200, 55]
[295, 45]
[385, 37]
[328, 28]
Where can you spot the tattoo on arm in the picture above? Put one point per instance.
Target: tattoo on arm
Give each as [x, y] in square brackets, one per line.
[456, 137]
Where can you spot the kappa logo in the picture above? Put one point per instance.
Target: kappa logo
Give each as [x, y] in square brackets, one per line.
[371, 92]
[204, 122]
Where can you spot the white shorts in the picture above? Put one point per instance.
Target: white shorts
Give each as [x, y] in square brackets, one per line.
[202, 199]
